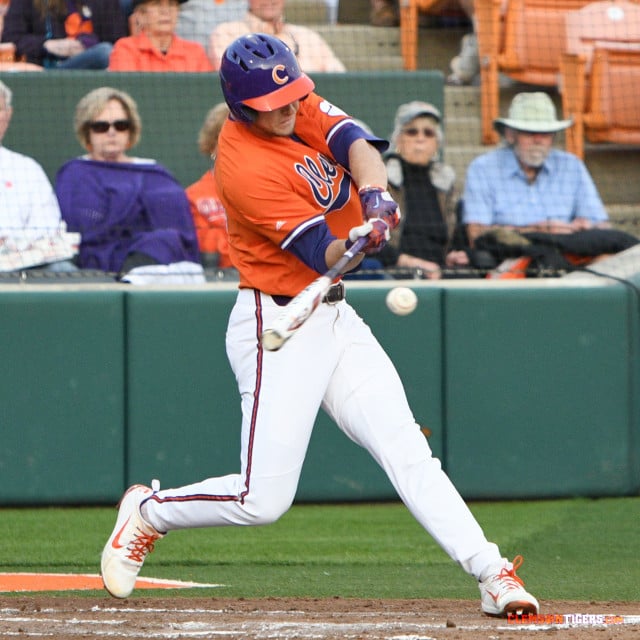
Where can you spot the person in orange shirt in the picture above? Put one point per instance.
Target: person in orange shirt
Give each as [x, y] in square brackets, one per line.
[154, 45]
[208, 211]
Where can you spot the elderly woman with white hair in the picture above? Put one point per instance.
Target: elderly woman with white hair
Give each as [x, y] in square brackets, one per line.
[429, 237]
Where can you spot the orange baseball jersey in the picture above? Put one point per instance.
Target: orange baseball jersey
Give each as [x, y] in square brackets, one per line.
[136, 53]
[209, 218]
[276, 188]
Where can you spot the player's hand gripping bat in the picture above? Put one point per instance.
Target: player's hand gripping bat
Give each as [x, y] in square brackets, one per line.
[298, 310]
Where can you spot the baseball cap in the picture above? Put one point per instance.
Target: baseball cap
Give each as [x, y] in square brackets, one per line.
[410, 110]
[136, 3]
[533, 113]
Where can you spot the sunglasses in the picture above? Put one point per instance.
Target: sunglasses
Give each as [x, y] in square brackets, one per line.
[412, 132]
[102, 126]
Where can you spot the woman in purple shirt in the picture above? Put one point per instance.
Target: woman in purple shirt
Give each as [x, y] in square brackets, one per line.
[132, 214]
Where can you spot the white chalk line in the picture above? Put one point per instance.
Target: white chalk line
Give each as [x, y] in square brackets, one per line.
[41, 625]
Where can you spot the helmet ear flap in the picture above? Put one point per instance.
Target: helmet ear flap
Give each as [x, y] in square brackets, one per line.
[242, 113]
[249, 114]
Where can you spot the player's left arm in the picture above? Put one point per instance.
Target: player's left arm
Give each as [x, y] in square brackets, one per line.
[370, 175]
[366, 165]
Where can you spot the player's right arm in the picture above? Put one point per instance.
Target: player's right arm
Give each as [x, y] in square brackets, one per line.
[334, 252]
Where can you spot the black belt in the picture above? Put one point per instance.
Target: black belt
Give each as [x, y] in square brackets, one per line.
[335, 294]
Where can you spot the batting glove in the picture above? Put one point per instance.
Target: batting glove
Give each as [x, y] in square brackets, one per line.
[376, 231]
[378, 203]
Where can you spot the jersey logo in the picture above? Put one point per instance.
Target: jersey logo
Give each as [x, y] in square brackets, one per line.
[321, 175]
[279, 224]
[331, 109]
[279, 74]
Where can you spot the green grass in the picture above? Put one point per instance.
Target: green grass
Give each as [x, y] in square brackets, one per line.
[574, 549]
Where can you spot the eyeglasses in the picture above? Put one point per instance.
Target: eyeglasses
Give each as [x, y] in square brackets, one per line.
[102, 126]
[412, 132]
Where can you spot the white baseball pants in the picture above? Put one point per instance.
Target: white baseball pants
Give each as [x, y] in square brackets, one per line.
[333, 361]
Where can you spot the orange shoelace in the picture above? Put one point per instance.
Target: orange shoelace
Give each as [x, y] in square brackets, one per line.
[509, 575]
[141, 545]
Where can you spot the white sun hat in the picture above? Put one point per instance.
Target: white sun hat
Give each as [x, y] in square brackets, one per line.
[532, 112]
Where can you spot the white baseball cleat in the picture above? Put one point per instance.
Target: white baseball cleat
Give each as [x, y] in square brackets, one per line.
[503, 592]
[130, 542]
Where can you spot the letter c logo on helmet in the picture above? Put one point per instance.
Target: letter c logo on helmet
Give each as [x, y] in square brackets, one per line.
[251, 66]
[275, 74]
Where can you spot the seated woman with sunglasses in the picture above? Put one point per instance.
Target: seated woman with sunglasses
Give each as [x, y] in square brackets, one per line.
[429, 237]
[132, 214]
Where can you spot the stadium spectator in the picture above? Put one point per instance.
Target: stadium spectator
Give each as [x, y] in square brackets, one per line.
[267, 16]
[133, 215]
[198, 18]
[31, 230]
[208, 212]
[64, 35]
[384, 13]
[532, 207]
[154, 45]
[428, 237]
[527, 185]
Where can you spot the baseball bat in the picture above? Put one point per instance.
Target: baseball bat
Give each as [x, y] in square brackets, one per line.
[300, 308]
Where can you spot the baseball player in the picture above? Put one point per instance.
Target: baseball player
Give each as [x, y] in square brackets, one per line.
[301, 182]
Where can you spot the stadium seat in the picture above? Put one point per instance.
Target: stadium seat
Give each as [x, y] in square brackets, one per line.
[523, 39]
[599, 74]
[409, 12]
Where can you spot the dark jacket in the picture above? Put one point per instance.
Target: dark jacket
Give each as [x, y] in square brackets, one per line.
[433, 227]
[26, 28]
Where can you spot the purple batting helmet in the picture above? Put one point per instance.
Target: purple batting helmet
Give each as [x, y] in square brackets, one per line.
[260, 72]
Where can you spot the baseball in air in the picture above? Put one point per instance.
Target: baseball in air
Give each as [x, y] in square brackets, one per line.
[402, 301]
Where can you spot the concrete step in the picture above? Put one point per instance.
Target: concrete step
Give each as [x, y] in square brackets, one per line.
[461, 131]
[354, 11]
[362, 47]
[462, 102]
[306, 12]
[614, 169]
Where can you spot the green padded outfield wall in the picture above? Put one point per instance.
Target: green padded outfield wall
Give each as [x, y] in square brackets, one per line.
[183, 403]
[61, 396]
[173, 106]
[540, 391]
[530, 391]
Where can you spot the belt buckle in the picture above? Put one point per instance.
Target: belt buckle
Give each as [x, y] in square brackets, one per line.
[335, 293]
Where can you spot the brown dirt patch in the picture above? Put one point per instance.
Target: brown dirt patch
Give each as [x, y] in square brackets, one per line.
[70, 618]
